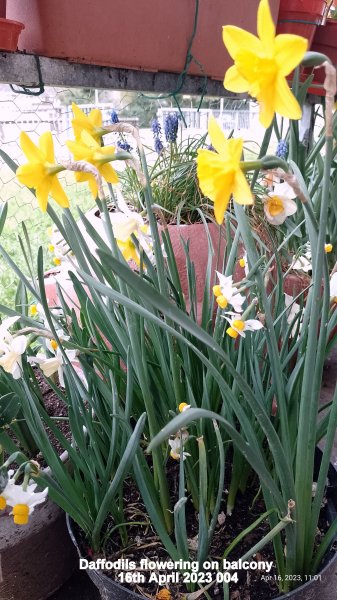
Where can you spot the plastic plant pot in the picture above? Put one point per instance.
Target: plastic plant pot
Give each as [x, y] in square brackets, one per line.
[9, 34]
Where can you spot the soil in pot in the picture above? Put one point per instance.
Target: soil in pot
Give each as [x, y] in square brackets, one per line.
[143, 544]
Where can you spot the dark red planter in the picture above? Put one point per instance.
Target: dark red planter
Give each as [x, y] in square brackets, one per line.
[325, 41]
[301, 17]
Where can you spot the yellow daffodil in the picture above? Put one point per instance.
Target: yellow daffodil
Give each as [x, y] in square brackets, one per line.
[92, 123]
[242, 263]
[129, 250]
[89, 150]
[261, 65]
[328, 248]
[41, 171]
[219, 172]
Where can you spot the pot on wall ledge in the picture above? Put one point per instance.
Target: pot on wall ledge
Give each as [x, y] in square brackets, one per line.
[325, 41]
[9, 30]
[302, 17]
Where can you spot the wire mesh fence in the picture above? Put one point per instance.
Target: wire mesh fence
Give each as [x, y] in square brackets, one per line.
[52, 112]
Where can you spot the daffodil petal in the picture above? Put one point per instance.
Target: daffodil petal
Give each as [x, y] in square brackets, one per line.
[237, 39]
[235, 146]
[28, 147]
[46, 146]
[217, 136]
[265, 26]
[77, 111]
[88, 140]
[58, 193]
[79, 151]
[93, 186]
[234, 82]
[222, 199]
[285, 102]
[289, 52]
[109, 173]
[267, 110]
[30, 174]
[42, 192]
[95, 117]
[241, 191]
[209, 165]
[107, 150]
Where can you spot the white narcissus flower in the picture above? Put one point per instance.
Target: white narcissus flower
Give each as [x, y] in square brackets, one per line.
[6, 492]
[125, 223]
[183, 406]
[279, 204]
[226, 293]
[176, 444]
[23, 501]
[11, 352]
[293, 309]
[54, 364]
[333, 287]
[239, 326]
[4, 327]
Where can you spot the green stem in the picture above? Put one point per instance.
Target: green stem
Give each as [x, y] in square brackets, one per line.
[309, 397]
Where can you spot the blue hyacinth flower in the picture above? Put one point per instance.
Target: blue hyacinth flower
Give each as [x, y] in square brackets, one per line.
[171, 128]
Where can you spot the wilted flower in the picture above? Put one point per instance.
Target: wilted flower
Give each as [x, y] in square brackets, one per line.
[171, 128]
[163, 594]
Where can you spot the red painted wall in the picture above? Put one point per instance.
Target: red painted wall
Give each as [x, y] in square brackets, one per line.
[141, 34]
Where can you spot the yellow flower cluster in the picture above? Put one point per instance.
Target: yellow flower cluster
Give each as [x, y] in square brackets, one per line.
[41, 171]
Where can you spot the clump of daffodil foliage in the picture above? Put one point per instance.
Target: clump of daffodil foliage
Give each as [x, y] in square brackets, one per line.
[157, 379]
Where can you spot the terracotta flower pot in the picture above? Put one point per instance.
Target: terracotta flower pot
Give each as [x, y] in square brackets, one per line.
[38, 558]
[9, 34]
[301, 17]
[151, 35]
[325, 41]
[196, 236]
